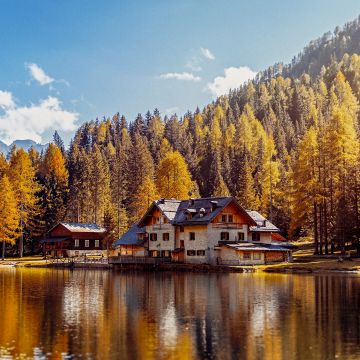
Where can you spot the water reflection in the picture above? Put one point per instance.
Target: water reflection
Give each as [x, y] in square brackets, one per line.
[57, 314]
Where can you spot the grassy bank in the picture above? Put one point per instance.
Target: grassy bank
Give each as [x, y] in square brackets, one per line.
[305, 261]
[36, 260]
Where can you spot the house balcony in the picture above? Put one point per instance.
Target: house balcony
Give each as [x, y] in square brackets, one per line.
[155, 227]
[223, 225]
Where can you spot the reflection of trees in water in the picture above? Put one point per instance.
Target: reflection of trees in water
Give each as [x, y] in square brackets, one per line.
[165, 315]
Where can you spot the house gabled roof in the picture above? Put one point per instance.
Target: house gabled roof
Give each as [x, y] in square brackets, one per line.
[130, 237]
[204, 210]
[80, 227]
[262, 224]
[168, 208]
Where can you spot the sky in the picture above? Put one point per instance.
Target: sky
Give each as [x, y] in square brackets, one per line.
[66, 62]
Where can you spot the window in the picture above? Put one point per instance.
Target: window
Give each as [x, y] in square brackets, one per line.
[223, 218]
[224, 236]
[181, 229]
[255, 236]
[165, 253]
[241, 236]
[76, 243]
[192, 236]
[230, 218]
[153, 253]
[257, 256]
[153, 237]
[97, 243]
[87, 243]
[191, 253]
[165, 236]
[247, 255]
[200, 253]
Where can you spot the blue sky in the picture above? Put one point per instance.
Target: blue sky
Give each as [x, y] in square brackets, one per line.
[65, 62]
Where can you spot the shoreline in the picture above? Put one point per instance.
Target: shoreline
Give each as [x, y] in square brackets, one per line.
[300, 265]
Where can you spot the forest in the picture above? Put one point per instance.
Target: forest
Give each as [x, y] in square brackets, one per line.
[285, 144]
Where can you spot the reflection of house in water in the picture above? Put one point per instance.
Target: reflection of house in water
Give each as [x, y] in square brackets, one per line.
[205, 230]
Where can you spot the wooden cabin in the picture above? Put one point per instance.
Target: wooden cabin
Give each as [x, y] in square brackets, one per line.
[74, 239]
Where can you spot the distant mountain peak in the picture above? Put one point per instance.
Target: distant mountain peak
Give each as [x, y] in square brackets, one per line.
[25, 144]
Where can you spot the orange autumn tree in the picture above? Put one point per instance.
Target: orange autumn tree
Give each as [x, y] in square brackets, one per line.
[9, 214]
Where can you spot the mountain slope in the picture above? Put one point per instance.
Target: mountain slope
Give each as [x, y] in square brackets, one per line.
[329, 48]
[24, 144]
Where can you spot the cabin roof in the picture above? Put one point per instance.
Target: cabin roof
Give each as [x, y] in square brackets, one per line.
[210, 208]
[262, 224]
[80, 227]
[130, 237]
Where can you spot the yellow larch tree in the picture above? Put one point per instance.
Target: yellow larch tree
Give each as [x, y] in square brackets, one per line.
[22, 177]
[143, 198]
[173, 177]
[9, 214]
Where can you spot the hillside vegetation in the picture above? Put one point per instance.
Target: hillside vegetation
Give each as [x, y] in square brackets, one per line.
[286, 144]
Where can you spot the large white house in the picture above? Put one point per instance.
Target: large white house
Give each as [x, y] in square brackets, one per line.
[205, 230]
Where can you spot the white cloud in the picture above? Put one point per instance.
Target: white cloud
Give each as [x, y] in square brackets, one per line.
[233, 78]
[185, 76]
[207, 53]
[171, 110]
[6, 100]
[38, 74]
[194, 64]
[30, 122]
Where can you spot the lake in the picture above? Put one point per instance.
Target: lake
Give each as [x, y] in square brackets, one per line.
[98, 314]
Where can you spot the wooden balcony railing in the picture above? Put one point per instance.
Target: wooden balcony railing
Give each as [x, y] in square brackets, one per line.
[223, 225]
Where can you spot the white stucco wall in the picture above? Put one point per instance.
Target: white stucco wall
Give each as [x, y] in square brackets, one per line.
[160, 244]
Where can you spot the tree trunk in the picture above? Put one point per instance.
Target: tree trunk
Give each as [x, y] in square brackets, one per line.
[356, 200]
[331, 213]
[326, 229]
[316, 239]
[321, 229]
[3, 250]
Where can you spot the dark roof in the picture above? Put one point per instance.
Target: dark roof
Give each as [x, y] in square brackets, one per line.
[130, 237]
[80, 227]
[167, 206]
[54, 239]
[212, 206]
[256, 247]
[262, 224]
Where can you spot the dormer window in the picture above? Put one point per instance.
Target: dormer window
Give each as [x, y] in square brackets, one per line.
[190, 213]
[214, 205]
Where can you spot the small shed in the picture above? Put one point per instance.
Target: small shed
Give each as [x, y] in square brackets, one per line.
[74, 239]
[132, 243]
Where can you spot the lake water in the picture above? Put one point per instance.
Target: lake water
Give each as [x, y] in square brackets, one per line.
[96, 314]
